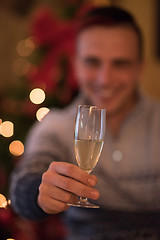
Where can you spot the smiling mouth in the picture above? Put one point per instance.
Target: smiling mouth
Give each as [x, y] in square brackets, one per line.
[105, 93]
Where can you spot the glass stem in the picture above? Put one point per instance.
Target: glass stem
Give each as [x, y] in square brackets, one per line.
[83, 200]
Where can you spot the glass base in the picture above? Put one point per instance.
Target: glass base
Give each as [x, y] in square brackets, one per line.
[83, 202]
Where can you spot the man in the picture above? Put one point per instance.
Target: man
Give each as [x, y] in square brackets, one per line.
[126, 180]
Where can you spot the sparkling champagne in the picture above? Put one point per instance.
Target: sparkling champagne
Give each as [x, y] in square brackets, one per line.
[87, 153]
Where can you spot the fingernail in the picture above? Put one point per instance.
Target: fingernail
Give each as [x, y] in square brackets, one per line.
[95, 194]
[91, 182]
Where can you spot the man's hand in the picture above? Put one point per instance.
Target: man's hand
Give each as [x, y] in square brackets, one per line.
[62, 183]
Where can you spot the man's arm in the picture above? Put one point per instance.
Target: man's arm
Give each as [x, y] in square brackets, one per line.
[35, 195]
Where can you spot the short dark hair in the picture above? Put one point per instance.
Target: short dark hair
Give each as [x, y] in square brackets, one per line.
[110, 16]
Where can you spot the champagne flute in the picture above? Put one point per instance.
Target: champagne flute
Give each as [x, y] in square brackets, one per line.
[89, 139]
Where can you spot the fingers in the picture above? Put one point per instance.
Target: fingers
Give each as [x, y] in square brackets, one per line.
[61, 184]
[74, 172]
[57, 194]
[75, 187]
[73, 179]
[69, 184]
[54, 200]
[50, 205]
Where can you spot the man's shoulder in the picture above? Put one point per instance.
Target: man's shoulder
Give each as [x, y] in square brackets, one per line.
[152, 110]
[153, 104]
[67, 112]
[61, 117]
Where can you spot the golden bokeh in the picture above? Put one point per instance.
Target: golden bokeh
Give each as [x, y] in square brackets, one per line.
[3, 201]
[41, 113]
[21, 67]
[6, 129]
[25, 47]
[37, 96]
[16, 148]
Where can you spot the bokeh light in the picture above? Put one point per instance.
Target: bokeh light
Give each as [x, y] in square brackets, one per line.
[25, 47]
[41, 113]
[7, 129]
[16, 148]
[3, 201]
[37, 96]
[21, 67]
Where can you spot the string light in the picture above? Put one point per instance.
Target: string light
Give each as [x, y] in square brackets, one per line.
[16, 148]
[37, 96]
[41, 113]
[7, 129]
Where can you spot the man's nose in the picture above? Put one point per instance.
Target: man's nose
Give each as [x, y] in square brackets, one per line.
[105, 75]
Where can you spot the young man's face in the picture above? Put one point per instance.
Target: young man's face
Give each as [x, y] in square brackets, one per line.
[108, 67]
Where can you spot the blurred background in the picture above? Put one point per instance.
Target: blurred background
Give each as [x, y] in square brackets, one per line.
[36, 47]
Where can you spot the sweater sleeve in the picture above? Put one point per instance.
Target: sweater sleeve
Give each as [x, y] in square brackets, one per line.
[24, 185]
[25, 181]
[24, 197]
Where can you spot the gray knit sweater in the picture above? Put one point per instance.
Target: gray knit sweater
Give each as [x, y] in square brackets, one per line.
[128, 174]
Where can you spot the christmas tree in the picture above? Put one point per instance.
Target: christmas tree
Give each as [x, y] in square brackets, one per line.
[46, 80]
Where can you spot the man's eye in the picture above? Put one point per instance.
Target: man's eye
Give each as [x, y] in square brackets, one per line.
[122, 63]
[92, 62]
